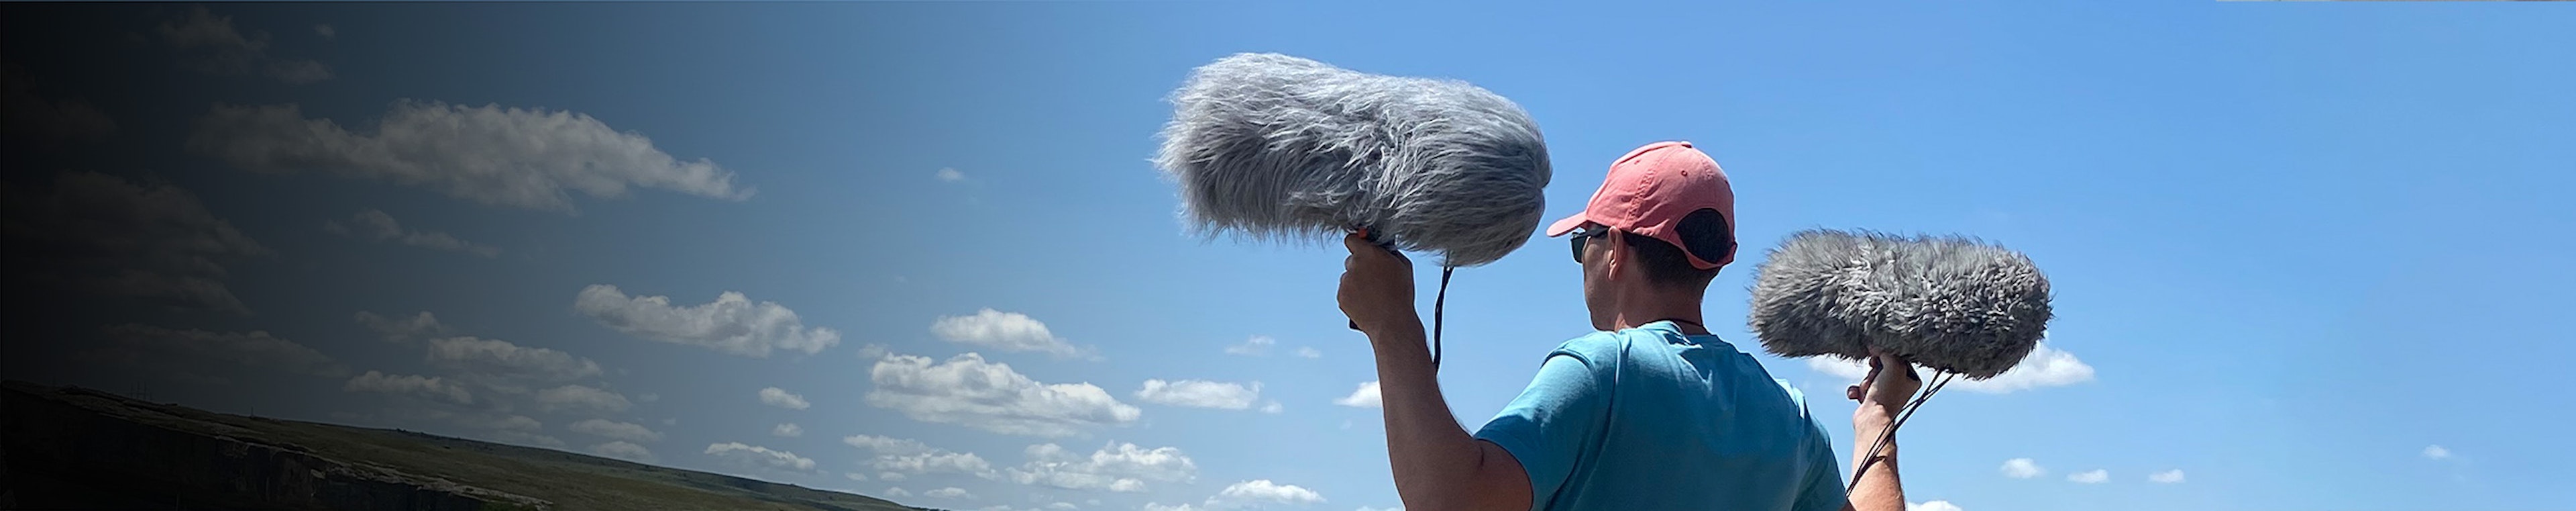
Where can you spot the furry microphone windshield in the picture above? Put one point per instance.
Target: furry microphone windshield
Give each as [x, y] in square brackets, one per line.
[1948, 303]
[1278, 147]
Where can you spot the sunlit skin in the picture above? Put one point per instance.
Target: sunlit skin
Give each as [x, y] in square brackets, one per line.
[1439, 466]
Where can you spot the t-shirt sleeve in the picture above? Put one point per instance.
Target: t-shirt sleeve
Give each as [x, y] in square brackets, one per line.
[1824, 491]
[1556, 422]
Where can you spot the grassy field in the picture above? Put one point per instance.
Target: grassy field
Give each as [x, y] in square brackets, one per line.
[569, 481]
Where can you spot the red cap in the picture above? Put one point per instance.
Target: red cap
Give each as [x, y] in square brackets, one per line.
[1651, 189]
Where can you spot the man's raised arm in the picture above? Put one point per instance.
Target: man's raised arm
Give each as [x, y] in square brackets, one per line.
[1438, 465]
[1880, 395]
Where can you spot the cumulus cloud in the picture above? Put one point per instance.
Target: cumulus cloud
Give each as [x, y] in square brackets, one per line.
[2436, 452]
[1262, 491]
[787, 429]
[36, 121]
[1310, 352]
[2166, 477]
[2090, 477]
[1120, 467]
[1006, 331]
[1157, 506]
[375, 225]
[731, 324]
[402, 329]
[498, 358]
[407, 385]
[897, 456]
[1256, 346]
[1200, 394]
[616, 430]
[582, 399]
[1273, 407]
[191, 349]
[2044, 367]
[950, 175]
[103, 235]
[2022, 468]
[886, 445]
[990, 396]
[897, 491]
[951, 492]
[215, 47]
[509, 157]
[746, 455]
[854, 476]
[1365, 397]
[1937, 505]
[774, 396]
[624, 450]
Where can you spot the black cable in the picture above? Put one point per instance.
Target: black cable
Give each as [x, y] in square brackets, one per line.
[1903, 413]
[1438, 302]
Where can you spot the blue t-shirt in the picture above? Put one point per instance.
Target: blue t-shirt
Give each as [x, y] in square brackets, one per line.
[1650, 419]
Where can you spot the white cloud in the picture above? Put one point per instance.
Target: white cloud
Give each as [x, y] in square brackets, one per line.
[1157, 506]
[402, 329]
[191, 349]
[625, 450]
[525, 158]
[950, 175]
[1396, 508]
[2436, 452]
[1262, 491]
[731, 324]
[1063, 506]
[872, 351]
[760, 457]
[1365, 397]
[2022, 468]
[1256, 346]
[219, 49]
[377, 226]
[1119, 467]
[582, 399]
[897, 491]
[951, 492]
[886, 445]
[501, 358]
[774, 396]
[1006, 331]
[2167, 477]
[1200, 394]
[406, 385]
[896, 456]
[854, 476]
[933, 462]
[990, 396]
[616, 430]
[1937, 505]
[2043, 367]
[1310, 352]
[1273, 407]
[2094, 476]
[98, 234]
[526, 438]
[787, 429]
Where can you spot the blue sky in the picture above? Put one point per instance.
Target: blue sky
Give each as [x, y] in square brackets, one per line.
[2302, 251]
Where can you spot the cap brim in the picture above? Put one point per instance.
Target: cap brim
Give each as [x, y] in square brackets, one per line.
[1569, 224]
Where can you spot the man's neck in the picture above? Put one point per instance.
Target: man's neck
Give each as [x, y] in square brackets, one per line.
[1683, 311]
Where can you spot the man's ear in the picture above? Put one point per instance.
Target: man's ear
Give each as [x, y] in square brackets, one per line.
[1618, 258]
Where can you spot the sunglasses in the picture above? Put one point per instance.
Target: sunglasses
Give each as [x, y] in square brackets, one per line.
[1580, 237]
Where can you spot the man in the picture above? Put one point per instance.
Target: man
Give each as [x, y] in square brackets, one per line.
[1650, 413]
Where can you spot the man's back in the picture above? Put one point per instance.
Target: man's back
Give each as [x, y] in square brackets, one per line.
[1647, 418]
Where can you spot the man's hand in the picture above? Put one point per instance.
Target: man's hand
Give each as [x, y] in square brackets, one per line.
[1377, 286]
[1883, 392]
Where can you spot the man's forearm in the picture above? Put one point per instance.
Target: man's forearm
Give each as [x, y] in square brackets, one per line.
[1878, 488]
[1433, 457]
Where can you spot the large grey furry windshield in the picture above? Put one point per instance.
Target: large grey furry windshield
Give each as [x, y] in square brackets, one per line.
[1949, 303]
[1278, 147]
